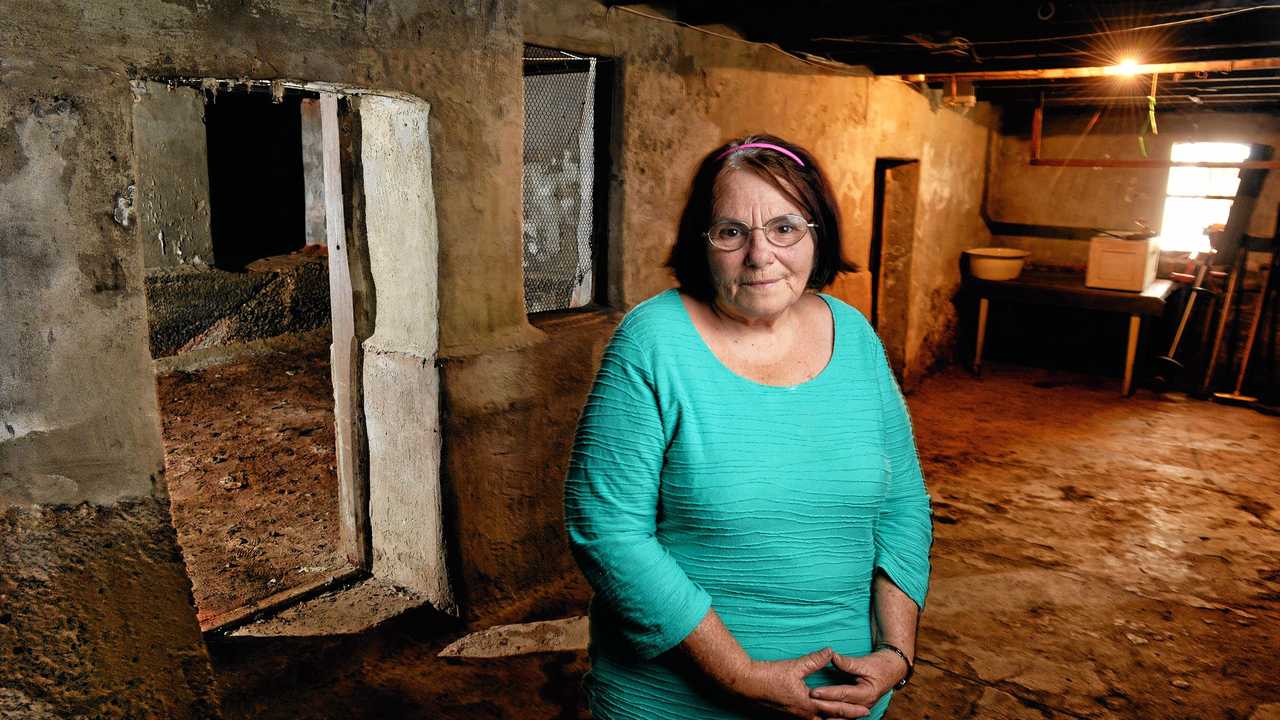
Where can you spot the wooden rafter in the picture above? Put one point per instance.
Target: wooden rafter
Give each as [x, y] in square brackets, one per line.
[1104, 71]
[1037, 129]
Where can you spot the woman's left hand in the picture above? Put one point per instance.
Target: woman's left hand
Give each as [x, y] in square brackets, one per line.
[873, 676]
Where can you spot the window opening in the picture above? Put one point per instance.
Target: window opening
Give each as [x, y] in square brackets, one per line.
[566, 135]
[1197, 197]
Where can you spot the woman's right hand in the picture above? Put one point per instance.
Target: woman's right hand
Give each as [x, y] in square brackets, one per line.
[779, 687]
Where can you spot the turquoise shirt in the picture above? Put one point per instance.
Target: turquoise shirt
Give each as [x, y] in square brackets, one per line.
[692, 487]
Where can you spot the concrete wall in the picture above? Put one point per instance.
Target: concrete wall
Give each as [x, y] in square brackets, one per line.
[78, 411]
[78, 399]
[510, 413]
[1109, 197]
[98, 616]
[77, 425]
[173, 205]
[953, 152]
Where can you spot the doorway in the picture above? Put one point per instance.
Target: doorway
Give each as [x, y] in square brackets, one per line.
[897, 182]
[298, 390]
[239, 311]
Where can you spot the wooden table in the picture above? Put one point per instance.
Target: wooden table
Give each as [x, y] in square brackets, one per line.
[1067, 289]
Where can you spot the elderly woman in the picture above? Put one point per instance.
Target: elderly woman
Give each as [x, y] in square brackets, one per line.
[744, 494]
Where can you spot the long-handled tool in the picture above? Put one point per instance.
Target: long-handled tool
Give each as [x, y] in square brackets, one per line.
[1224, 319]
[1231, 251]
[1259, 309]
[1169, 361]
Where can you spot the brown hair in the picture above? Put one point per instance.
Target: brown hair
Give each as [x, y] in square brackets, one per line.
[805, 185]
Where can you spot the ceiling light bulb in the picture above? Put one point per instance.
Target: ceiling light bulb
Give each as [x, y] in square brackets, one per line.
[1127, 67]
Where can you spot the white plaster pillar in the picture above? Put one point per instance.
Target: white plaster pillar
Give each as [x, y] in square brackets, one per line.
[401, 382]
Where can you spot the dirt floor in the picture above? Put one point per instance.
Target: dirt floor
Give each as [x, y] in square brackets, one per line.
[1094, 557]
[249, 458]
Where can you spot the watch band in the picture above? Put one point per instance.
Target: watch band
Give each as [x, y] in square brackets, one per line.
[893, 648]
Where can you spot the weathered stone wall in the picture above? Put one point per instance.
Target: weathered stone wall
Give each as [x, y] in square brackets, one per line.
[510, 415]
[173, 206]
[78, 402]
[74, 366]
[78, 412]
[1110, 198]
[96, 618]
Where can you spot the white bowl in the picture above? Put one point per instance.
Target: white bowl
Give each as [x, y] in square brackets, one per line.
[996, 263]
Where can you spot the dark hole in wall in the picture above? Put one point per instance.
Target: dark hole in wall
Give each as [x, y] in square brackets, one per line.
[256, 200]
[877, 239]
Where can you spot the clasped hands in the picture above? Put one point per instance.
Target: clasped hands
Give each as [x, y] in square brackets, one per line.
[779, 685]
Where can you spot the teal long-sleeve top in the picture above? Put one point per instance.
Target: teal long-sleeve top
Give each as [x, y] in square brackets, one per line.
[692, 487]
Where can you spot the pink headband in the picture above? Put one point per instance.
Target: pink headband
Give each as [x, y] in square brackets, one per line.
[769, 146]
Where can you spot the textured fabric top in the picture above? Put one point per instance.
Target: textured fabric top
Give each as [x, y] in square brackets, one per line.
[692, 487]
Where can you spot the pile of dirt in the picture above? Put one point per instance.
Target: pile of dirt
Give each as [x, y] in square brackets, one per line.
[191, 309]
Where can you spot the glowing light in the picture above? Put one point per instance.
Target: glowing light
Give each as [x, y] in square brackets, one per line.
[1127, 67]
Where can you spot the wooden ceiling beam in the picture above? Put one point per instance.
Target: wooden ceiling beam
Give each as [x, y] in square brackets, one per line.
[1153, 164]
[1163, 100]
[1165, 83]
[1103, 71]
[1037, 125]
[994, 20]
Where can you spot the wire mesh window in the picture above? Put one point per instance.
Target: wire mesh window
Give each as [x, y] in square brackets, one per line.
[566, 103]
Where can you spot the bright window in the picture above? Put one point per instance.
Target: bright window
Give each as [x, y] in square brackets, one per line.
[1198, 197]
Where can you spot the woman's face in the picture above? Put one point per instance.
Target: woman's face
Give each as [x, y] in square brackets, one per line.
[758, 281]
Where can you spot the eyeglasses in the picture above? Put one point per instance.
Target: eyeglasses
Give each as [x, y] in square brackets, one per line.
[782, 231]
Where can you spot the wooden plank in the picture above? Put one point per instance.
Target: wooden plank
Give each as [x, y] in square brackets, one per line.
[1068, 290]
[224, 622]
[1057, 232]
[984, 305]
[1103, 70]
[1131, 351]
[1037, 125]
[313, 172]
[360, 550]
[345, 609]
[1167, 96]
[344, 352]
[1152, 164]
